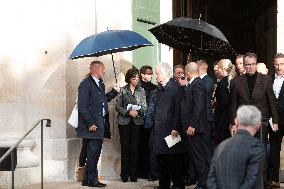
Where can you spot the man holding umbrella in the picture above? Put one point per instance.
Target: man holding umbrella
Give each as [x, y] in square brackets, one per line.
[93, 124]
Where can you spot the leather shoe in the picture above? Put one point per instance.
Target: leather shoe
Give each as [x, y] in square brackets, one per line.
[152, 179]
[133, 179]
[188, 181]
[84, 183]
[274, 184]
[199, 187]
[97, 184]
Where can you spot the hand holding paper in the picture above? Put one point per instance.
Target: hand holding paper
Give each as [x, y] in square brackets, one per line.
[171, 141]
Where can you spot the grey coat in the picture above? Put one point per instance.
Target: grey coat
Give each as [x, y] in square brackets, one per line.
[124, 98]
[238, 163]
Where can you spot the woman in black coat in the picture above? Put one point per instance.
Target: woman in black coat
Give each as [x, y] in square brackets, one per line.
[222, 106]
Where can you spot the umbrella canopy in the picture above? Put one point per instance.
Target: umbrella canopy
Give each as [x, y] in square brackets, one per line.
[108, 42]
[188, 34]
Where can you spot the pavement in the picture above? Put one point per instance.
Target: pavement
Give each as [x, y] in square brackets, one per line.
[111, 184]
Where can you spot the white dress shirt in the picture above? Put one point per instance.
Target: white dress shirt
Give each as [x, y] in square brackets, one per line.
[190, 81]
[203, 75]
[278, 82]
[98, 84]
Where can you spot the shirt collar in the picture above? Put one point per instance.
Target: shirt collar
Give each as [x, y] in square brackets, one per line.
[279, 77]
[203, 75]
[96, 80]
[192, 79]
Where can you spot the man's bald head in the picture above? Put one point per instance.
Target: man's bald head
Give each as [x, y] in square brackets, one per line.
[96, 64]
[192, 70]
[97, 69]
[192, 67]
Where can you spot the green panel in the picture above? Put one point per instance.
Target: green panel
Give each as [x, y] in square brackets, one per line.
[149, 11]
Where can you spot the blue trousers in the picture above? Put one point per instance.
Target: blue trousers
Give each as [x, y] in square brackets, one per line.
[94, 147]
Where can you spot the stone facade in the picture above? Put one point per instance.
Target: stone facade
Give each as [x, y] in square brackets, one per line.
[38, 81]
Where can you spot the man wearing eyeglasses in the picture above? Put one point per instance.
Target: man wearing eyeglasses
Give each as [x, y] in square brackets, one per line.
[255, 89]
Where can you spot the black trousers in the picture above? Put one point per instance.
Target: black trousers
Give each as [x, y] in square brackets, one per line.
[129, 141]
[199, 154]
[209, 140]
[275, 140]
[153, 167]
[144, 153]
[94, 147]
[170, 166]
[83, 153]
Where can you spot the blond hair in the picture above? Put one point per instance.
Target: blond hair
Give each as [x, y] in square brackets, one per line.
[226, 64]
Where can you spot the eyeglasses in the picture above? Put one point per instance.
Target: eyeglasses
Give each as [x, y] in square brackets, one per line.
[248, 65]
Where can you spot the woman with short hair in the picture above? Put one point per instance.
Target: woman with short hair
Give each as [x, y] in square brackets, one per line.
[131, 106]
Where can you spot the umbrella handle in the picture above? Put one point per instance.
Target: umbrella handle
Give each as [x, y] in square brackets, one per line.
[113, 68]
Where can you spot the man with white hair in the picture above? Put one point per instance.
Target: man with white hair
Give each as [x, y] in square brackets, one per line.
[238, 161]
[167, 122]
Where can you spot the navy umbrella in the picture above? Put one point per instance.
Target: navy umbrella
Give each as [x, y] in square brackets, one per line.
[109, 42]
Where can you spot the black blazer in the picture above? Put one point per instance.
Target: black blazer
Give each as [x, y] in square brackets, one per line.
[209, 84]
[90, 108]
[167, 118]
[280, 104]
[237, 163]
[194, 106]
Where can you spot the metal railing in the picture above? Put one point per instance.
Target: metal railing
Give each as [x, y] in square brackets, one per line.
[48, 124]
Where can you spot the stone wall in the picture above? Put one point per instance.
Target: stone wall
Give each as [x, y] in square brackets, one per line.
[38, 81]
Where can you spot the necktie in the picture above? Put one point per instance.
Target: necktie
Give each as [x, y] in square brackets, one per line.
[187, 87]
[105, 106]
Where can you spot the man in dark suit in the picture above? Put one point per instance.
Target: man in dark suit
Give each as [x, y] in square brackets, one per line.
[238, 161]
[194, 122]
[167, 122]
[209, 85]
[275, 135]
[93, 123]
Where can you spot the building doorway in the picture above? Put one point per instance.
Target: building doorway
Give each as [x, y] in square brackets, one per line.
[250, 26]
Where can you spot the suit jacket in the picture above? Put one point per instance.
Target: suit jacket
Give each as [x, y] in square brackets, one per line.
[149, 118]
[194, 106]
[222, 112]
[148, 87]
[91, 101]
[124, 98]
[237, 163]
[167, 118]
[280, 104]
[209, 84]
[262, 96]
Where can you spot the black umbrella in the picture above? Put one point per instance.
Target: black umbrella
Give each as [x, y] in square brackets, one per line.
[188, 34]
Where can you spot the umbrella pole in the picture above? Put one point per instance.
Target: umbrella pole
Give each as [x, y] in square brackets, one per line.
[113, 68]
